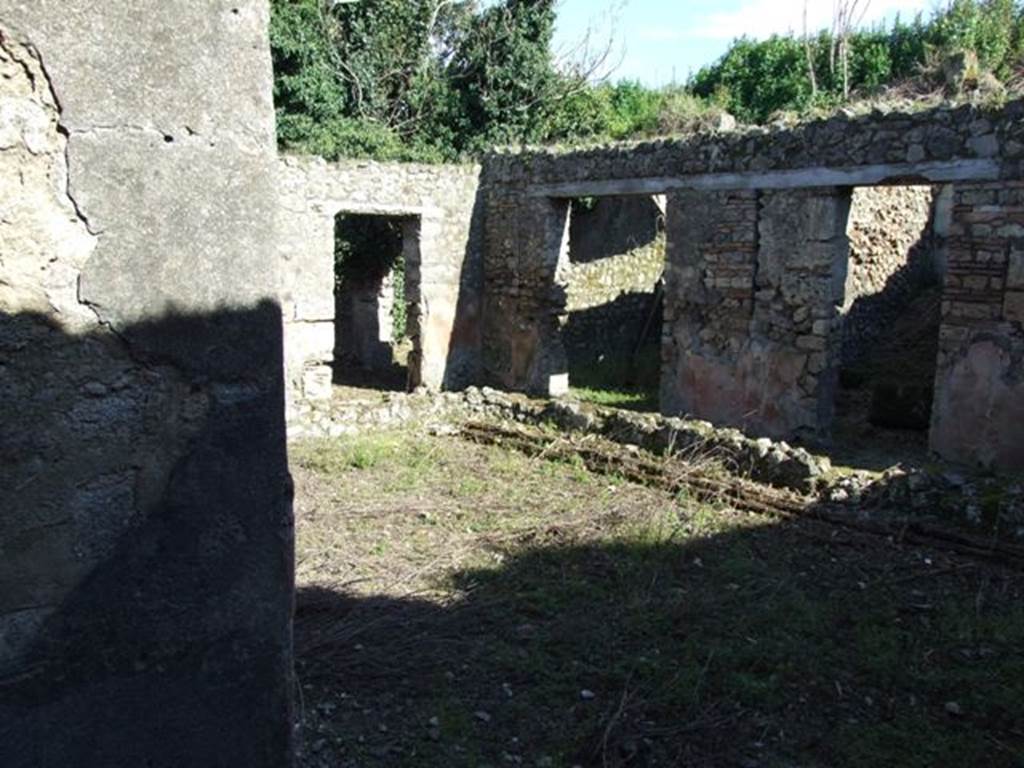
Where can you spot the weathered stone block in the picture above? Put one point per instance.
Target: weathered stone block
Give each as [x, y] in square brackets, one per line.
[317, 383]
[984, 146]
[1013, 307]
[916, 153]
[1015, 271]
[815, 343]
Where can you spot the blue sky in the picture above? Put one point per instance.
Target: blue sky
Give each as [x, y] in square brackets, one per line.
[659, 39]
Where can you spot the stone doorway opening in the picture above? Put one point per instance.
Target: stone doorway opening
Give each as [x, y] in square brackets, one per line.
[890, 317]
[376, 260]
[612, 267]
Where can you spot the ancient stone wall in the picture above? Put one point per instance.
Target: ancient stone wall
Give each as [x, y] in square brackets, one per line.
[443, 264]
[604, 227]
[364, 323]
[978, 412]
[919, 148]
[526, 240]
[616, 259]
[525, 221]
[757, 257]
[894, 255]
[752, 295]
[145, 519]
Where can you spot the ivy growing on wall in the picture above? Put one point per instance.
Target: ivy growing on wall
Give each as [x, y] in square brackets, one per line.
[366, 250]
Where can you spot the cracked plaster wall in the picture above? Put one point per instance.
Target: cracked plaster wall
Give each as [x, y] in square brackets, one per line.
[145, 524]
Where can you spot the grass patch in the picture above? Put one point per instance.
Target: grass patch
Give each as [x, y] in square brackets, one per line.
[617, 398]
[631, 383]
[496, 609]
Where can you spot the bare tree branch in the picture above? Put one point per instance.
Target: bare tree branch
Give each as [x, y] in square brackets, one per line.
[810, 55]
[847, 15]
[589, 58]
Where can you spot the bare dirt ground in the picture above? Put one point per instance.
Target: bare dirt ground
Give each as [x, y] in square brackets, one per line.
[463, 605]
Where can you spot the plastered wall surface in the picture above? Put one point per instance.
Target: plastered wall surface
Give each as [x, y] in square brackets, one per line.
[145, 513]
[752, 300]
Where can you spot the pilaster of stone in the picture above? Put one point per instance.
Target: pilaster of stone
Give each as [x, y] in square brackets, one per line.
[979, 396]
[709, 299]
[526, 240]
[752, 294]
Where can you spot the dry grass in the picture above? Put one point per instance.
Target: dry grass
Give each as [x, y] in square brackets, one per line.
[463, 605]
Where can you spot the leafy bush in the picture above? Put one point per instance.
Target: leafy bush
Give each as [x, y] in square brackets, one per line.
[763, 77]
[414, 80]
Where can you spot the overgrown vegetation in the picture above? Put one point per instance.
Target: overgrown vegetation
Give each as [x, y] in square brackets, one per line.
[368, 248]
[418, 79]
[756, 79]
[463, 605]
[434, 80]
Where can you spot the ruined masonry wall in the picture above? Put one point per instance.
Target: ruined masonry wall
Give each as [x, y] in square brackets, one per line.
[145, 520]
[756, 275]
[613, 268]
[751, 315]
[979, 397]
[610, 303]
[936, 135]
[446, 328]
[894, 254]
[523, 227]
[525, 243]
[596, 283]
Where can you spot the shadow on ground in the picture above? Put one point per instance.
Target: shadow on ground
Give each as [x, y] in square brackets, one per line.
[793, 644]
[628, 380]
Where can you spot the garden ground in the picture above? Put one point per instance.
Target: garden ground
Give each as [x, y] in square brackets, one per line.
[467, 605]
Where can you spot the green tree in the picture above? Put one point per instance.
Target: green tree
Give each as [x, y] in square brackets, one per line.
[503, 75]
[421, 79]
[986, 27]
[762, 77]
[353, 79]
[757, 78]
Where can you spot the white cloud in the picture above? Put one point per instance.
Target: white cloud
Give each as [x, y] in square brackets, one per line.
[761, 18]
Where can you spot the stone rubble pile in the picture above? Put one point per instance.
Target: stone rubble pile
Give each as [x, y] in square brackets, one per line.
[764, 460]
[987, 503]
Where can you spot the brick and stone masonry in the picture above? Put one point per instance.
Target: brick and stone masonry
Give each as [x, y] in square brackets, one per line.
[979, 400]
[758, 264]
